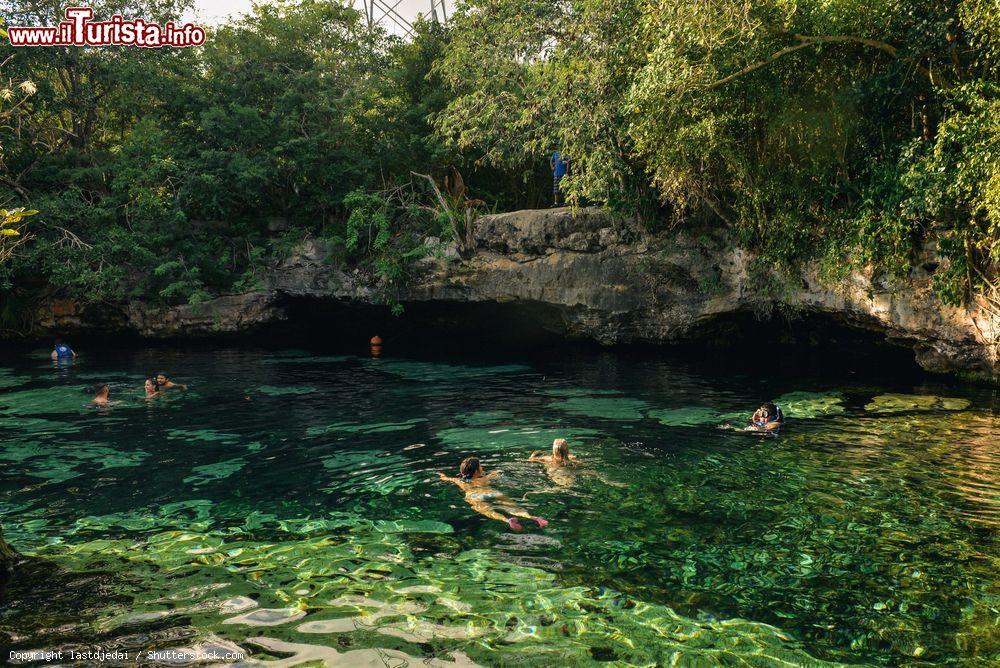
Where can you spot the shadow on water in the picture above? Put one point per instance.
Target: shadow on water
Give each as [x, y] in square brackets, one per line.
[738, 343]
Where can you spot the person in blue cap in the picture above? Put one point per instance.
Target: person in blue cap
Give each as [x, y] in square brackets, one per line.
[61, 351]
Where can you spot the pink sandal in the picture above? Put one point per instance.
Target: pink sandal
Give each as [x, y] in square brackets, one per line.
[514, 524]
[542, 523]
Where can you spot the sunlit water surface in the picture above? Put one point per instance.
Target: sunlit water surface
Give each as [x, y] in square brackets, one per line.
[287, 505]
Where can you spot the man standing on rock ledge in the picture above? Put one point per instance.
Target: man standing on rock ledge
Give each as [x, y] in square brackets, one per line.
[559, 162]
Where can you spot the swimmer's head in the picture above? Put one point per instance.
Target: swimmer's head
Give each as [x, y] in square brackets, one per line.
[769, 409]
[560, 448]
[160, 379]
[101, 390]
[470, 468]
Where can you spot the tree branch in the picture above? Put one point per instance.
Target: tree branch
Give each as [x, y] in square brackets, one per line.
[813, 40]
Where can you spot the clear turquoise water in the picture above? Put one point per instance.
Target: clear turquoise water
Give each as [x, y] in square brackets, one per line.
[288, 504]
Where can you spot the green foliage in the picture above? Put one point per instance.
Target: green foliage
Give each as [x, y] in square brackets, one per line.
[384, 233]
[832, 130]
[837, 130]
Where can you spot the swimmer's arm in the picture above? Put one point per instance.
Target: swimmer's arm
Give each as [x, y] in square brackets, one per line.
[448, 478]
[492, 474]
[171, 383]
[535, 456]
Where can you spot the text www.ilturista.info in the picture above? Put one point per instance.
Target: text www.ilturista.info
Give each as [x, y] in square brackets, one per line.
[79, 30]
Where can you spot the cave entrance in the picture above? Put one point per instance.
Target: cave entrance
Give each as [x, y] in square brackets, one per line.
[423, 326]
[790, 344]
[740, 342]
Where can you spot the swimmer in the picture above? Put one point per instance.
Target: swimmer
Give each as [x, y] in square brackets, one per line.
[768, 418]
[562, 467]
[152, 388]
[483, 498]
[164, 383]
[560, 454]
[62, 352]
[101, 394]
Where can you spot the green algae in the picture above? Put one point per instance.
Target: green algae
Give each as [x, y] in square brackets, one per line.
[364, 428]
[40, 428]
[863, 537]
[900, 403]
[609, 408]
[508, 608]
[808, 405]
[485, 418]
[64, 460]
[577, 392]
[42, 401]
[373, 472]
[690, 416]
[213, 436]
[217, 471]
[513, 438]
[412, 526]
[795, 405]
[10, 379]
[283, 391]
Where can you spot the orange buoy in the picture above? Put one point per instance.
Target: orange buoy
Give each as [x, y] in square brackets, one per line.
[376, 344]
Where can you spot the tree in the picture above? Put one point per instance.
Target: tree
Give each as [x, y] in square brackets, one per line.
[844, 130]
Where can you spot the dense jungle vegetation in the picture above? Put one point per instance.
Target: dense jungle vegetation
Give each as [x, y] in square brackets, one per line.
[844, 131]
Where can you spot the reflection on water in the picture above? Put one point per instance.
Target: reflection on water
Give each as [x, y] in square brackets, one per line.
[288, 507]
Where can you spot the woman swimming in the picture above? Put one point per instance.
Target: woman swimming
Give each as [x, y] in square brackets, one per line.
[484, 499]
[102, 393]
[560, 454]
[558, 464]
[562, 467]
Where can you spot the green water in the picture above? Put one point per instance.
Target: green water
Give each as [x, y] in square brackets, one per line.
[287, 505]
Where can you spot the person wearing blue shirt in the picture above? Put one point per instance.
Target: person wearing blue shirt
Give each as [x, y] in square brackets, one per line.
[559, 162]
[62, 352]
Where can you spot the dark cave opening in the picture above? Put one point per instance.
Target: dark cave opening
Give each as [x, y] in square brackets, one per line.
[731, 343]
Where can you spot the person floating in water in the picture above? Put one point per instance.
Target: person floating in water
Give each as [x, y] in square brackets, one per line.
[484, 499]
[61, 352]
[563, 467]
[560, 454]
[558, 465]
[164, 383]
[768, 418]
[102, 392]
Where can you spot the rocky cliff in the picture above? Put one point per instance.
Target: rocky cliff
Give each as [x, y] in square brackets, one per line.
[592, 277]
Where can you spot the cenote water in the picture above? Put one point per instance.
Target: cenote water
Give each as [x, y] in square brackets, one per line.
[288, 505]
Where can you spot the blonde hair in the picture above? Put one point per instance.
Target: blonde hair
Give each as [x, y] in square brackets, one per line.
[560, 448]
